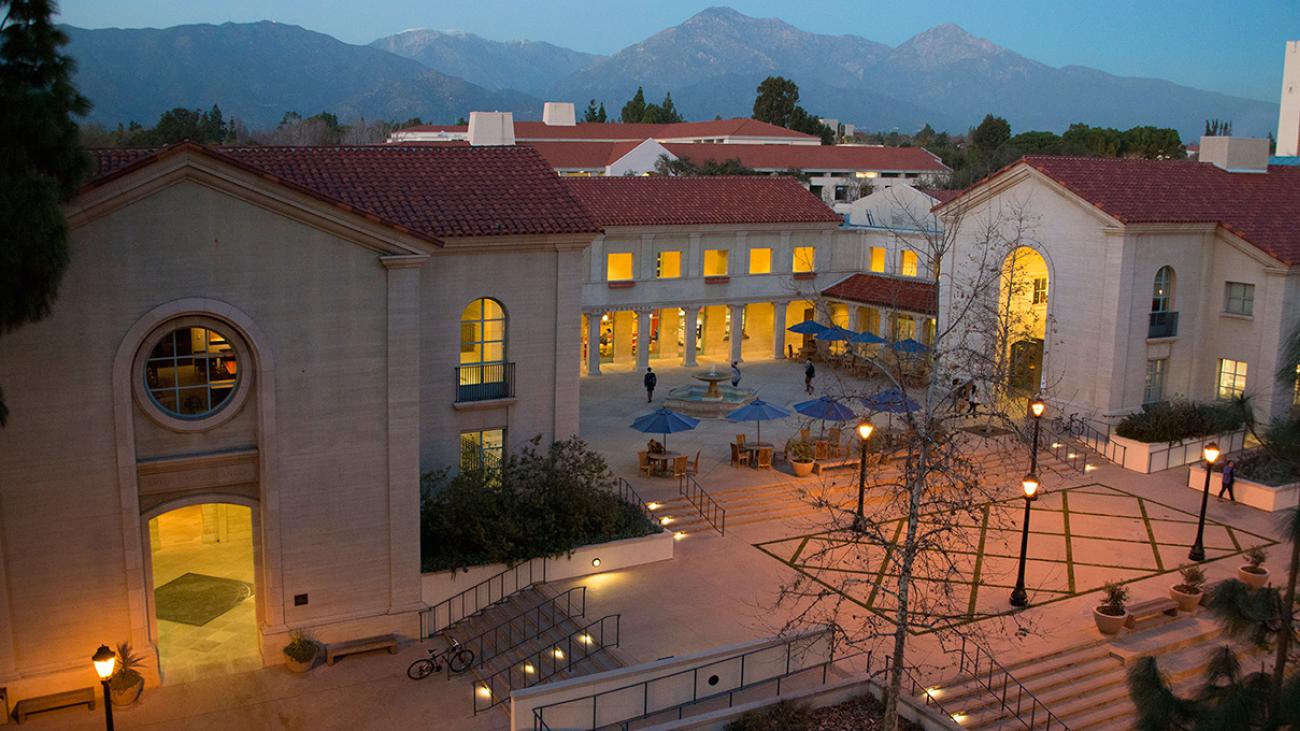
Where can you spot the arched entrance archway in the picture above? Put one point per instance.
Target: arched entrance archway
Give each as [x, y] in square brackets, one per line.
[1023, 310]
[202, 589]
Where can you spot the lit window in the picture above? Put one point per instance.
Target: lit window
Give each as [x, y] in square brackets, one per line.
[715, 263]
[619, 267]
[1040, 290]
[877, 259]
[1232, 378]
[1162, 290]
[483, 333]
[191, 372]
[904, 327]
[1239, 298]
[760, 261]
[1155, 380]
[481, 449]
[907, 263]
[669, 265]
[805, 258]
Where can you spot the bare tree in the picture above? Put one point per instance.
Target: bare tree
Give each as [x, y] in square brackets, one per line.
[930, 476]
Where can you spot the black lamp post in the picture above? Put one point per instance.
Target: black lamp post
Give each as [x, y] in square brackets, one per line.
[105, 662]
[864, 430]
[1211, 455]
[1019, 597]
[1036, 409]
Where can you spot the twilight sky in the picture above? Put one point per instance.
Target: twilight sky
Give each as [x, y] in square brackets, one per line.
[1234, 47]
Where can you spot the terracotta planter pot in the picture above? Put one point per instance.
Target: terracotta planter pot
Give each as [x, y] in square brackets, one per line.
[1186, 602]
[1109, 624]
[801, 469]
[299, 667]
[128, 696]
[1254, 580]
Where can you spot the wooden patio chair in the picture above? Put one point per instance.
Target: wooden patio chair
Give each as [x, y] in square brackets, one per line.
[680, 465]
[835, 440]
[646, 467]
[764, 458]
[740, 441]
[738, 456]
[694, 468]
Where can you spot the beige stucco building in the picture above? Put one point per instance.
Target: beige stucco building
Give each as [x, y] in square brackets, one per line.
[254, 355]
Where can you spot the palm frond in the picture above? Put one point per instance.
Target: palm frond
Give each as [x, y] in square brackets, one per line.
[1288, 523]
[1159, 709]
[1246, 613]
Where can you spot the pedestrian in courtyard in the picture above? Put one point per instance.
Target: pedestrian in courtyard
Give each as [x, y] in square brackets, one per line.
[1229, 477]
[973, 404]
[651, 380]
[808, 373]
[735, 373]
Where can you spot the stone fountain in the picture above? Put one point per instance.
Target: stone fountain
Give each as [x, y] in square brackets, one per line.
[714, 400]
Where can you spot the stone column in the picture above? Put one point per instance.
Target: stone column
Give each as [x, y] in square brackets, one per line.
[692, 316]
[737, 333]
[642, 339]
[593, 343]
[404, 431]
[778, 329]
[919, 327]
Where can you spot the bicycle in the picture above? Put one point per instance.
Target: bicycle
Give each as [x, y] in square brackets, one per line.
[458, 660]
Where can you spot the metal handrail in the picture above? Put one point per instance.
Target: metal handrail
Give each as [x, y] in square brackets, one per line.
[539, 713]
[630, 496]
[975, 663]
[1095, 439]
[482, 595]
[556, 658]
[484, 381]
[535, 621]
[709, 509]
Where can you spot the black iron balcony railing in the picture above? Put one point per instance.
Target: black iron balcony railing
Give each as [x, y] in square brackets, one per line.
[485, 381]
[1163, 325]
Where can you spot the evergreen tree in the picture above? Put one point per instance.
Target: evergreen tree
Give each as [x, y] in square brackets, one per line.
[777, 100]
[41, 162]
[591, 113]
[667, 112]
[600, 114]
[634, 110]
[990, 134]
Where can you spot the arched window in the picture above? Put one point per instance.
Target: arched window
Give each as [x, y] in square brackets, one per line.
[1162, 291]
[484, 371]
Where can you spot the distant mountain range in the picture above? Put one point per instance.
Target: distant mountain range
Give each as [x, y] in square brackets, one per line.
[711, 63]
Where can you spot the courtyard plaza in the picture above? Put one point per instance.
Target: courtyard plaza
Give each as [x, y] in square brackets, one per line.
[1089, 527]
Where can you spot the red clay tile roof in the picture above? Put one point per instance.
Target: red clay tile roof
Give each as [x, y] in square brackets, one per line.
[438, 191]
[678, 201]
[612, 132]
[1262, 208]
[814, 157]
[900, 293]
[582, 155]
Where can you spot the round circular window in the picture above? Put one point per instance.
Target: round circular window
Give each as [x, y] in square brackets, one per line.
[192, 372]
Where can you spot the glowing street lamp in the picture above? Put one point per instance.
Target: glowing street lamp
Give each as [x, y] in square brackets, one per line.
[1037, 408]
[1211, 455]
[864, 431]
[1020, 597]
[105, 661]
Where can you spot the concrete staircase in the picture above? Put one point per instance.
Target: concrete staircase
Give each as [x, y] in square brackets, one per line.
[1085, 686]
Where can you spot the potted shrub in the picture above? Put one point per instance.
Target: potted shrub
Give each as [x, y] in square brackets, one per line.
[1253, 573]
[300, 652]
[800, 456]
[1111, 615]
[1188, 593]
[126, 685]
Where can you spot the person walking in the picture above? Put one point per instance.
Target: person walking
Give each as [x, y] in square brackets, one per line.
[651, 380]
[1229, 477]
[972, 402]
[808, 373]
[735, 373]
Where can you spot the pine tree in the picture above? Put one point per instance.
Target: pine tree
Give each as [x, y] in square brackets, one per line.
[591, 114]
[667, 112]
[634, 110]
[600, 114]
[41, 165]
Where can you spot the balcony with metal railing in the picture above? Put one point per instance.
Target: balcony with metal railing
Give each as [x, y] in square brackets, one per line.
[1162, 325]
[485, 382]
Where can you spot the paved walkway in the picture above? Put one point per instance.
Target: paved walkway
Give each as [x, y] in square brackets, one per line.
[719, 589]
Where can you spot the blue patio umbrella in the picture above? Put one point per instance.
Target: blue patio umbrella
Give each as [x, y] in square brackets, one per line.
[665, 422]
[825, 408]
[758, 411]
[868, 337]
[837, 334]
[808, 327]
[908, 345]
[890, 401]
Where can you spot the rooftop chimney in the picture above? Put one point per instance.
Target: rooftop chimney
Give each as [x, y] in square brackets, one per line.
[1235, 154]
[559, 114]
[491, 128]
[1288, 120]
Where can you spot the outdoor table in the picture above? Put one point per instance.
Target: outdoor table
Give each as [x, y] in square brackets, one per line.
[753, 447]
[662, 460]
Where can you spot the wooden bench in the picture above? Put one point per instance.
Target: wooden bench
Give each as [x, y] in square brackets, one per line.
[1156, 611]
[66, 699]
[366, 644]
[833, 464]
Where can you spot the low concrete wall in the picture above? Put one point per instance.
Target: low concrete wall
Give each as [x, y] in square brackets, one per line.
[1150, 457]
[1248, 492]
[438, 586]
[650, 687]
